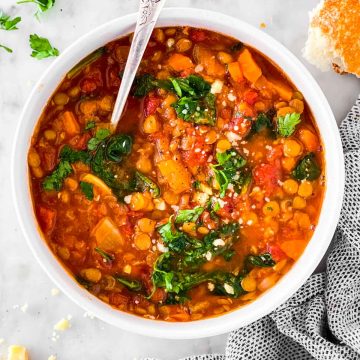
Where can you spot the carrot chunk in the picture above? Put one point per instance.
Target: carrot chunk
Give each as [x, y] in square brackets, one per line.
[179, 62]
[249, 67]
[175, 175]
[71, 125]
[285, 92]
[293, 248]
[107, 235]
[235, 71]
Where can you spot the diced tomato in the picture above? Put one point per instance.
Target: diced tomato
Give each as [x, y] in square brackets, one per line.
[92, 81]
[251, 96]
[127, 230]
[267, 176]
[276, 253]
[240, 125]
[226, 209]
[151, 103]
[198, 35]
[199, 153]
[276, 152]
[48, 158]
[187, 72]
[208, 221]
[118, 299]
[47, 219]
[159, 296]
[88, 86]
[225, 113]
[79, 142]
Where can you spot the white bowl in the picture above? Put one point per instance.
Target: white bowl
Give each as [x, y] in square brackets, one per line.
[313, 253]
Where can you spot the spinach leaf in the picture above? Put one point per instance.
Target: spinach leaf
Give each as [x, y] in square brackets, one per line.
[145, 83]
[6, 23]
[228, 170]
[6, 48]
[144, 183]
[286, 124]
[87, 189]
[307, 168]
[117, 146]
[262, 260]
[133, 285]
[55, 180]
[237, 46]
[196, 103]
[83, 282]
[41, 47]
[191, 215]
[107, 257]
[174, 239]
[76, 70]
[103, 152]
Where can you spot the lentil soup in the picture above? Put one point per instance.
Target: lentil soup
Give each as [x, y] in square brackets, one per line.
[204, 196]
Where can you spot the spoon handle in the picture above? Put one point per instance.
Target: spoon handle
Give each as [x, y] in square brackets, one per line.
[149, 11]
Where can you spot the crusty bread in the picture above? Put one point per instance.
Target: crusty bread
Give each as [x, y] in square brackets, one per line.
[334, 36]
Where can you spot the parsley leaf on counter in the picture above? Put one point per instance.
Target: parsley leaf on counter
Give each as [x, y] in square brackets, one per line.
[6, 23]
[41, 47]
[43, 5]
[6, 48]
[286, 124]
[87, 189]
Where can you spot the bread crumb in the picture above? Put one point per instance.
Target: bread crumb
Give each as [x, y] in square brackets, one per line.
[263, 25]
[55, 291]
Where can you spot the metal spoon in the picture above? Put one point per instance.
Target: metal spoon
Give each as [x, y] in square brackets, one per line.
[149, 11]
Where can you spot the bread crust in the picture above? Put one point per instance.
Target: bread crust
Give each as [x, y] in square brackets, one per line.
[339, 21]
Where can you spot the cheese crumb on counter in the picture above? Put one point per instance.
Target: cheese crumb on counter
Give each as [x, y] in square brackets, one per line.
[52, 357]
[17, 352]
[62, 325]
[24, 308]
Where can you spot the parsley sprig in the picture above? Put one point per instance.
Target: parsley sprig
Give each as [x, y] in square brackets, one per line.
[43, 5]
[41, 47]
[286, 124]
[6, 23]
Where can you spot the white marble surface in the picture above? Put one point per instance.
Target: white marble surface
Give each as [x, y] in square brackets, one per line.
[21, 279]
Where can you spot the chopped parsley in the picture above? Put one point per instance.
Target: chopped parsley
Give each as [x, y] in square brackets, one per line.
[100, 135]
[41, 47]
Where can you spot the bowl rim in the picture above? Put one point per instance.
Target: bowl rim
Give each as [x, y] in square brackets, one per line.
[290, 282]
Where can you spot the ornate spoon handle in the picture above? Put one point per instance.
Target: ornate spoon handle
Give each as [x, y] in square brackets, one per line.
[149, 11]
